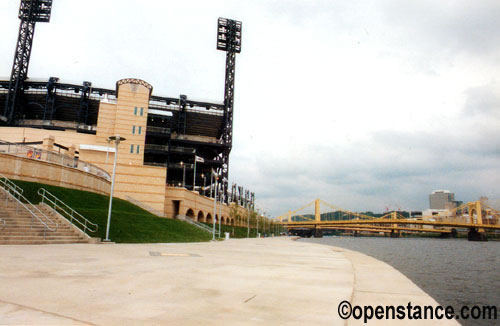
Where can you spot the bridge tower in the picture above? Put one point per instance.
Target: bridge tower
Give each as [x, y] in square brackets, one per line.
[318, 233]
[317, 211]
[394, 232]
[30, 12]
[476, 234]
[228, 40]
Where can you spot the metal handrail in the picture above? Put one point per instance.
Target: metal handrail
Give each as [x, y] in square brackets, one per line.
[28, 206]
[12, 184]
[72, 215]
[201, 225]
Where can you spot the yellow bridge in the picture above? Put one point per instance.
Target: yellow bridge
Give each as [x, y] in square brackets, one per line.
[474, 217]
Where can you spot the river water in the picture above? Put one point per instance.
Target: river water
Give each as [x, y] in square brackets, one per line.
[454, 272]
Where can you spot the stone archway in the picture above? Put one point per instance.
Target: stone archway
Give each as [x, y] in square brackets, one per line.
[209, 218]
[190, 214]
[201, 217]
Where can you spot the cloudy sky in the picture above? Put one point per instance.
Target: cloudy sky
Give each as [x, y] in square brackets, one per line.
[365, 104]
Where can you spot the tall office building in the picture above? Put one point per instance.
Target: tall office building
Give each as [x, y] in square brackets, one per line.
[441, 199]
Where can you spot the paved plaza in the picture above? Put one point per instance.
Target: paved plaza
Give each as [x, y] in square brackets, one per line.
[273, 281]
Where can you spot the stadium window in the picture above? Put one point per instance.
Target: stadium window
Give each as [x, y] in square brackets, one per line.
[142, 111]
[138, 146]
[132, 149]
[135, 110]
[140, 129]
[133, 130]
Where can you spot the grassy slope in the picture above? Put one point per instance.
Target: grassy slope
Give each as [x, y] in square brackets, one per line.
[129, 223]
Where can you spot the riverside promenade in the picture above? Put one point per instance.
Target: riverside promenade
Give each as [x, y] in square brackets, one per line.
[272, 281]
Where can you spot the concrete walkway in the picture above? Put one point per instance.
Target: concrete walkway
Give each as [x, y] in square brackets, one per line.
[272, 281]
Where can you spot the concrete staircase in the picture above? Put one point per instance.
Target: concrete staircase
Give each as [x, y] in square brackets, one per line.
[19, 227]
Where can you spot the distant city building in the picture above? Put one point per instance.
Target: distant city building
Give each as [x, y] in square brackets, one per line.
[442, 199]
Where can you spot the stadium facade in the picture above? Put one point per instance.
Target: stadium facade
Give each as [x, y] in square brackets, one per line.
[164, 138]
[173, 145]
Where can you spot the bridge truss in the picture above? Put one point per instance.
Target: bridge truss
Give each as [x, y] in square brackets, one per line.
[475, 217]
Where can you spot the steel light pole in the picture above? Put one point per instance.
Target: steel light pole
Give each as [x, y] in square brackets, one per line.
[204, 183]
[183, 174]
[194, 172]
[220, 211]
[257, 232]
[117, 140]
[248, 221]
[215, 205]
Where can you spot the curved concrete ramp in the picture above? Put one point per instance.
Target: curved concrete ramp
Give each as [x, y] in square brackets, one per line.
[237, 282]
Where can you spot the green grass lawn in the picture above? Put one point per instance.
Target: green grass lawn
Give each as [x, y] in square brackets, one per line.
[129, 223]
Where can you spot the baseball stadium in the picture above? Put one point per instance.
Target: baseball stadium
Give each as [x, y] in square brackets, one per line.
[171, 153]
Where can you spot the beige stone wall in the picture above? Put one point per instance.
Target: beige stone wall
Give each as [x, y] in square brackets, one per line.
[98, 158]
[20, 168]
[66, 138]
[127, 118]
[189, 200]
[105, 122]
[143, 183]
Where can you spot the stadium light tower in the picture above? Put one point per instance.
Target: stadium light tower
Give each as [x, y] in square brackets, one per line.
[228, 40]
[30, 12]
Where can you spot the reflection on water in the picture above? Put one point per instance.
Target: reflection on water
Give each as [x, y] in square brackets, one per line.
[455, 272]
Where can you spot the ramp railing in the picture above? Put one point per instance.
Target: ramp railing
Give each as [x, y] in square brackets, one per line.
[201, 225]
[65, 210]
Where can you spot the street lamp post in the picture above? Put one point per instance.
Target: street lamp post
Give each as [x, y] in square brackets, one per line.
[248, 220]
[204, 183]
[257, 232]
[215, 205]
[183, 174]
[220, 211]
[194, 172]
[117, 140]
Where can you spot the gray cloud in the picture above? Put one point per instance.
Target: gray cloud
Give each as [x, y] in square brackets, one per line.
[483, 101]
[447, 26]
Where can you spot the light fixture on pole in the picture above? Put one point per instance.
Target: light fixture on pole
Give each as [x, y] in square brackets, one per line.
[215, 205]
[257, 232]
[248, 217]
[221, 195]
[117, 139]
[204, 183]
[194, 172]
[196, 159]
[183, 174]
[224, 180]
